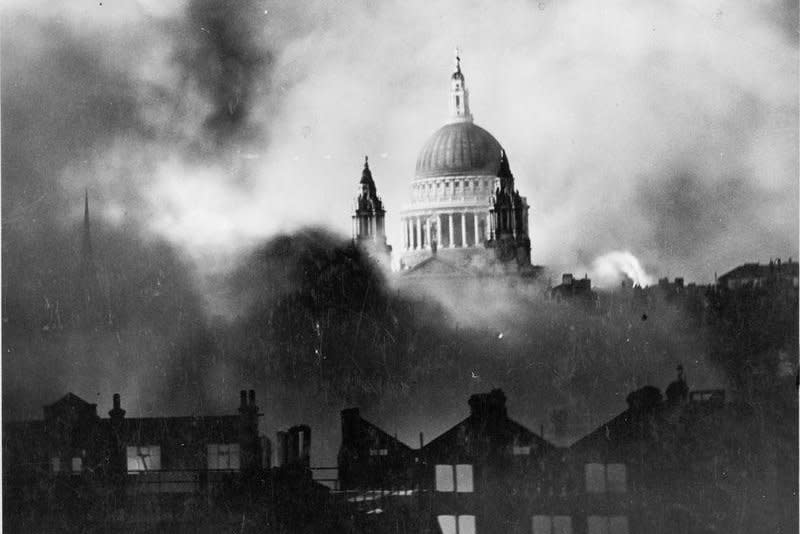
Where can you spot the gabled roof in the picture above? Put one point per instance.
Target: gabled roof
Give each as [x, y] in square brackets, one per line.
[383, 436]
[511, 430]
[70, 399]
[70, 403]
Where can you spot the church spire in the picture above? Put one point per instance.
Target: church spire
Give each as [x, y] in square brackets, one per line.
[92, 312]
[459, 96]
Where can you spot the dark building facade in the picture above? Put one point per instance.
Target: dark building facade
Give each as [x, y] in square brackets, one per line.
[664, 465]
[76, 471]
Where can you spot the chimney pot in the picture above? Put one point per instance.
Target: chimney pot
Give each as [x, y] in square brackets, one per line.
[252, 394]
[243, 398]
[116, 401]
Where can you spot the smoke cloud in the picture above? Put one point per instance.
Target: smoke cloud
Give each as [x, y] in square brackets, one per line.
[210, 133]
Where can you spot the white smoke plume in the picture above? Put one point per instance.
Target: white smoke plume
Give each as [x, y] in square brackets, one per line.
[610, 269]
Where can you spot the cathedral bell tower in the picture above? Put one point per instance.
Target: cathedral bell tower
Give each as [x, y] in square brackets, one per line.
[509, 219]
[369, 229]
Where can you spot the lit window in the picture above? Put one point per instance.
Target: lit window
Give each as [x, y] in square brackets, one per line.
[444, 478]
[466, 524]
[521, 451]
[144, 458]
[557, 524]
[447, 524]
[616, 478]
[55, 464]
[601, 478]
[542, 524]
[464, 478]
[378, 452]
[224, 456]
[77, 464]
[595, 478]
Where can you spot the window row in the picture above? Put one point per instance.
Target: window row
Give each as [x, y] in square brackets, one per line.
[454, 478]
[457, 524]
[602, 478]
[222, 456]
[76, 464]
[431, 190]
[595, 524]
[541, 524]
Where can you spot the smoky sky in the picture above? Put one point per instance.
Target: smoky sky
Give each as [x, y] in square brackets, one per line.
[214, 125]
[202, 130]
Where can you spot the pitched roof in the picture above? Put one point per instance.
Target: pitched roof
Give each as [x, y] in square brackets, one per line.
[510, 429]
[757, 270]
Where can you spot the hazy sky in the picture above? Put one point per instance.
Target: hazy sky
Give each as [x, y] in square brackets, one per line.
[667, 129]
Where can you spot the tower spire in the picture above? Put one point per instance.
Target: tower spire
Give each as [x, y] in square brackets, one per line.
[459, 96]
[368, 217]
[92, 311]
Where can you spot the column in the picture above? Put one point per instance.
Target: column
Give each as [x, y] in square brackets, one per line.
[372, 227]
[419, 234]
[463, 230]
[405, 233]
[450, 228]
[477, 237]
[439, 230]
[489, 226]
[428, 232]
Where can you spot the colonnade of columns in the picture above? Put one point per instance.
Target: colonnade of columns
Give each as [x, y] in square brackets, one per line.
[420, 230]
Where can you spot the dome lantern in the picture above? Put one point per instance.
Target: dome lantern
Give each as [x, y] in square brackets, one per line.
[459, 96]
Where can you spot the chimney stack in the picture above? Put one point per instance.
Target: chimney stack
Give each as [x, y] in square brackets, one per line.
[116, 413]
[283, 448]
[243, 399]
[252, 395]
[488, 407]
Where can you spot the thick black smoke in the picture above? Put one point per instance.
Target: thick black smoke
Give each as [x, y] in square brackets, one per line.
[222, 51]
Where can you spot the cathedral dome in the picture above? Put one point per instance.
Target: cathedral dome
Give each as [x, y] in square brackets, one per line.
[459, 148]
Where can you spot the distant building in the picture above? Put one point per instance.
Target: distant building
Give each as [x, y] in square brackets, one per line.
[464, 206]
[758, 275]
[574, 289]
